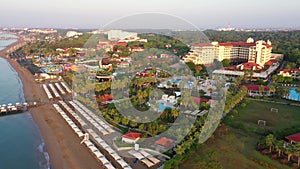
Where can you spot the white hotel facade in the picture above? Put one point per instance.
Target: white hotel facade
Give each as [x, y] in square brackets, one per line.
[258, 52]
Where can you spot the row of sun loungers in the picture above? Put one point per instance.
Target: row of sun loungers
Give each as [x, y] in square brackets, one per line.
[145, 157]
[54, 91]
[56, 94]
[68, 120]
[66, 87]
[60, 89]
[94, 116]
[88, 143]
[99, 155]
[49, 95]
[196, 112]
[75, 115]
[88, 118]
[112, 152]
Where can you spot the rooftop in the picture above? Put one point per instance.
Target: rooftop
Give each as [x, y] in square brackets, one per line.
[294, 137]
[165, 142]
[132, 135]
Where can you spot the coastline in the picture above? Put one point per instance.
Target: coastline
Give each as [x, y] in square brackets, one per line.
[62, 144]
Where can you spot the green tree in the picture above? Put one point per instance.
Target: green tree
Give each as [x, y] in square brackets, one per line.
[270, 139]
[279, 147]
[289, 150]
[226, 62]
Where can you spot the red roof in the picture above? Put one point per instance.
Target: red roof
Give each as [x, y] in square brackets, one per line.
[285, 70]
[164, 142]
[121, 44]
[294, 137]
[238, 44]
[106, 97]
[269, 63]
[132, 135]
[295, 70]
[289, 70]
[200, 100]
[254, 87]
[250, 66]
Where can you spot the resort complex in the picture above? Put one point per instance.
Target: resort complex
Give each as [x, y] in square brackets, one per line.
[147, 100]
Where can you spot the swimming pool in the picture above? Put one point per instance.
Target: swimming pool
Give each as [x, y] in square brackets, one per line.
[294, 95]
[162, 107]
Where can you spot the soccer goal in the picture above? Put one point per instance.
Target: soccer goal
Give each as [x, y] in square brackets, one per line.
[274, 110]
[261, 122]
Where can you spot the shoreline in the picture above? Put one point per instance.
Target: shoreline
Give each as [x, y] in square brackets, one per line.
[62, 144]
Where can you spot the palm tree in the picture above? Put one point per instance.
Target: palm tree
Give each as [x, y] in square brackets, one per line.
[297, 152]
[289, 150]
[180, 150]
[272, 90]
[175, 113]
[279, 147]
[270, 141]
[261, 89]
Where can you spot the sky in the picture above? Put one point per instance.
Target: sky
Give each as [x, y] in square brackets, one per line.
[202, 13]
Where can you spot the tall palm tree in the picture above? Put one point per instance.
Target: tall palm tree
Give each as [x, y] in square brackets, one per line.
[270, 141]
[297, 152]
[289, 150]
[261, 89]
[279, 147]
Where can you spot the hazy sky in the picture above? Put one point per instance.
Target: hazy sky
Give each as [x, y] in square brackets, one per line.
[203, 13]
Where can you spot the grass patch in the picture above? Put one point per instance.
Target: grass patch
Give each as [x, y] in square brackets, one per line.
[233, 144]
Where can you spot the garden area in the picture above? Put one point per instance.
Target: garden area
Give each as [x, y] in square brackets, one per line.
[233, 145]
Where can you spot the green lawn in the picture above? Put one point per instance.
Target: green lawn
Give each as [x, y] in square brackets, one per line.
[247, 117]
[233, 145]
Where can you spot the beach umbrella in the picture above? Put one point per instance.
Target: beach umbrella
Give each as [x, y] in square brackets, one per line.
[4, 105]
[9, 104]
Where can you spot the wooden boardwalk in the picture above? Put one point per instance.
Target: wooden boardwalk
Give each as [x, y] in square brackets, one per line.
[16, 108]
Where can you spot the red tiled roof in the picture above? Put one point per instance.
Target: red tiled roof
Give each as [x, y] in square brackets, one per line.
[164, 142]
[295, 70]
[132, 135]
[250, 66]
[294, 137]
[285, 70]
[254, 87]
[237, 44]
[269, 63]
[106, 97]
[200, 100]
[121, 44]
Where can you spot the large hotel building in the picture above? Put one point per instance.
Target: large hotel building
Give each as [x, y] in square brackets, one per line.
[250, 51]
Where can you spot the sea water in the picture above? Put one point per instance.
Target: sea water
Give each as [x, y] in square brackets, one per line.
[21, 144]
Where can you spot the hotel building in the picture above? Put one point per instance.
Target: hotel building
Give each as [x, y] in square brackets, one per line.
[253, 52]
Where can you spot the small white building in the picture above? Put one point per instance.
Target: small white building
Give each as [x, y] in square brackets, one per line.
[131, 137]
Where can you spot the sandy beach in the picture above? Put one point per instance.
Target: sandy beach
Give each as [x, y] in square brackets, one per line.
[62, 144]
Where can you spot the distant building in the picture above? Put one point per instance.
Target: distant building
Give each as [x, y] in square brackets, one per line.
[42, 31]
[116, 35]
[70, 34]
[294, 73]
[131, 137]
[254, 52]
[253, 90]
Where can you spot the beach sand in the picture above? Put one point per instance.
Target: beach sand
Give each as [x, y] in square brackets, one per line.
[62, 144]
